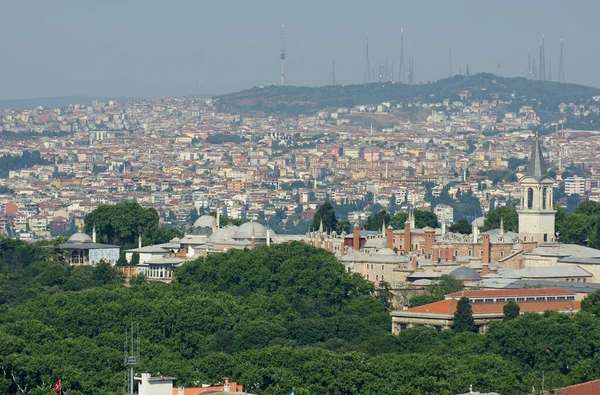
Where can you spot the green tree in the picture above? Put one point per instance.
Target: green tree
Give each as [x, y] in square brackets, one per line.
[463, 317]
[135, 259]
[326, 214]
[462, 226]
[137, 280]
[511, 311]
[376, 221]
[591, 303]
[420, 300]
[507, 214]
[343, 225]
[123, 223]
[445, 285]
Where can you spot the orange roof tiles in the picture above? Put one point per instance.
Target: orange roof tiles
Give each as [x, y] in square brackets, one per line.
[591, 387]
[448, 306]
[510, 292]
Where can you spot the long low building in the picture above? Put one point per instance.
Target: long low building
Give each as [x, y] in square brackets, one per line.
[487, 306]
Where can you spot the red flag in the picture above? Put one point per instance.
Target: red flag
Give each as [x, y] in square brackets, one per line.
[56, 387]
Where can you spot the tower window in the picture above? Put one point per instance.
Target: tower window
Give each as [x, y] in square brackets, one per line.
[529, 197]
[545, 237]
[544, 197]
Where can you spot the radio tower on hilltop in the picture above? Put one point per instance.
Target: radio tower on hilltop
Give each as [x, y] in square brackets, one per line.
[367, 66]
[542, 73]
[561, 66]
[282, 57]
[401, 67]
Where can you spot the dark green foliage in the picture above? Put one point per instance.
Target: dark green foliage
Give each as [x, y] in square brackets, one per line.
[272, 319]
[463, 317]
[225, 138]
[445, 285]
[437, 291]
[421, 300]
[122, 223]
[135, 259]
[507, 214]
[16, 162]
[326, 214]
[423, 219]
[591, 303]
[582, 226]
[462, 226]
[376, 221]
[511, 311]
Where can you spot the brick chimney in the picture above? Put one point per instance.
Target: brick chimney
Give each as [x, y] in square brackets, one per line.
[435, 254]
[429, 240]
[485, 269]
[485, 245]
[356, 237]
[406, 248]
[389, 234]
[414, 263]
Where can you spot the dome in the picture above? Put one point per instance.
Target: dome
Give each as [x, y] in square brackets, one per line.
[206, 221]
[386, 251]
[464, 273]
[249, 229]
[223, 235]
[80, 237]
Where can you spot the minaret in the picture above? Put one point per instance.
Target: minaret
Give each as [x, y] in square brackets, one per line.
[94, 234]
[218, 217]
[475, 232]
[501, 225]
[443, 224]
[268, 236]
[282, 57]
[536, 212]
[140, 240]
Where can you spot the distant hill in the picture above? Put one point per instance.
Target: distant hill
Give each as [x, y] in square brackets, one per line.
[52, 102]
[294, 100]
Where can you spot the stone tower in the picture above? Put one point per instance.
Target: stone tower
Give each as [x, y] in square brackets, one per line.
[536, 213]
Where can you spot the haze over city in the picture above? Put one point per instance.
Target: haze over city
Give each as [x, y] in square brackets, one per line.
[154, 49]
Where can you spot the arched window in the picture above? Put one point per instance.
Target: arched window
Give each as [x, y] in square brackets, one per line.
[529, 197]
[544, 197]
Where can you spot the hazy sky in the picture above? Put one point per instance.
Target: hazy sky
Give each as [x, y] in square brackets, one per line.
[162, 48]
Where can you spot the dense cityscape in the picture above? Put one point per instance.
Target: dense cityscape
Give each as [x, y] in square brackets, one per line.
[387, 236]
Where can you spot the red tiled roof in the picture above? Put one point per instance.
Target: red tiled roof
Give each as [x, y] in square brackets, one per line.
[591, 387]
[448, 306]
[510, 292]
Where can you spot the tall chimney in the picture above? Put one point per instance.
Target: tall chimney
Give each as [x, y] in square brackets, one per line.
[356, 237]
[407, 240]
[389, 236]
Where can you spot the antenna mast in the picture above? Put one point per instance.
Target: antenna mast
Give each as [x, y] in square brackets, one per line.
[542, 60]
[401, 67]
[367, 66]
[333, 74]
[132, 353]
[561, 66]
[282, 57]
[450, 58]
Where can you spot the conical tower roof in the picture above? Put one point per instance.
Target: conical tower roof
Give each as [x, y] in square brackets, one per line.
[537, 167]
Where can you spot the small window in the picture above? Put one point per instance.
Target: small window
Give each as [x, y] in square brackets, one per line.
[367, 276]
[545, 237]
[501, 254]
[381, 267]
[377, 277]
[530, 299]
[524, 238]
[455, 253]
[470, 252]
[382, 277]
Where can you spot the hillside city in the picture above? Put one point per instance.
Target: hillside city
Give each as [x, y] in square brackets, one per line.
[391, 247]
[180, 154]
